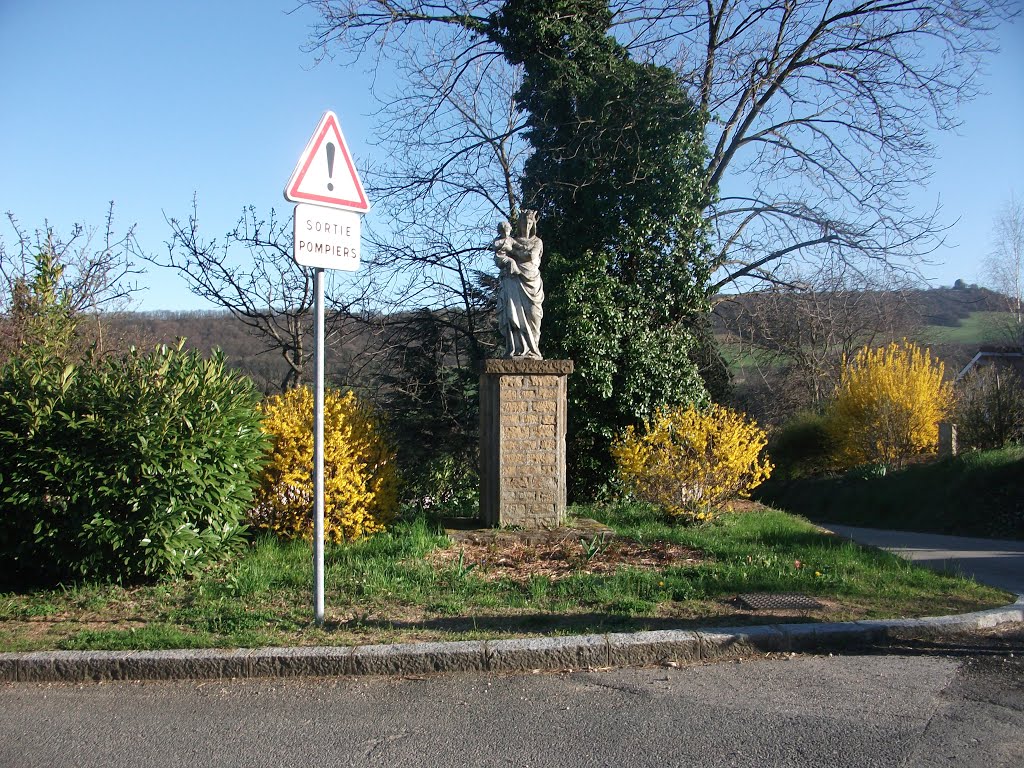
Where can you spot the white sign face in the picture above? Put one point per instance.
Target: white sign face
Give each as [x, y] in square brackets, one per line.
[327, 238]
[325, 174]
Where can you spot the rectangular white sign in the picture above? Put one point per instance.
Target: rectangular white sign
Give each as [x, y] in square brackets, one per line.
[327, 238]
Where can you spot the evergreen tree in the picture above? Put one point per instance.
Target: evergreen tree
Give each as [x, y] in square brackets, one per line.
[617, 176]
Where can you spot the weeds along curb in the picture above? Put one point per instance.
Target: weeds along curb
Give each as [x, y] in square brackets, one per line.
[550, 653]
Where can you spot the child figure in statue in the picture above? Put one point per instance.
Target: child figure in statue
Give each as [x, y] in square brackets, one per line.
[521, 290]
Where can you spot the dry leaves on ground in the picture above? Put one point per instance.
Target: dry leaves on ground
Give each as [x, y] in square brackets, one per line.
[559, 559]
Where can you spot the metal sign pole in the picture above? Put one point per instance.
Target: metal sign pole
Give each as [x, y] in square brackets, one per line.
[326, 230]
[318, 454]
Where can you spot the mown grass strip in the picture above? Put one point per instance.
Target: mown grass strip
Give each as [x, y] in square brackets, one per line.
[384, 589]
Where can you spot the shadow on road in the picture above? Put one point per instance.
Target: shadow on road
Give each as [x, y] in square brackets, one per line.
[1004, 641]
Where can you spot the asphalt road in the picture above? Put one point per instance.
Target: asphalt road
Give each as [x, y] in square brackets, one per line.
[956, 704]
[995, 562]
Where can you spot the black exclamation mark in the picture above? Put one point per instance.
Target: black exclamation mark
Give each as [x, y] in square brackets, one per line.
[330, 164]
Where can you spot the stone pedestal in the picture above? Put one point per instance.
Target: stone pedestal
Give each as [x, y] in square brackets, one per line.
[522, 442]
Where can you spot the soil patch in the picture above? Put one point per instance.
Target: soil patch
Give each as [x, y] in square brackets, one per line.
[560, 558]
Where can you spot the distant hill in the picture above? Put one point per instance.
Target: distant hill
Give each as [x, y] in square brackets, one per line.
[799, 338]
[243, 349]
[934, 306]
[949, 308]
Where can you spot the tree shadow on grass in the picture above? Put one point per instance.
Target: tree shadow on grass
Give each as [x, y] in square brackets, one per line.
[575, 624]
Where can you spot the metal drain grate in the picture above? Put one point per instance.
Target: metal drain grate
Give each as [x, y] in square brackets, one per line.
[783, 601]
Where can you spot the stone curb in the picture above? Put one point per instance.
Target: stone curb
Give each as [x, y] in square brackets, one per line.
[549, 653]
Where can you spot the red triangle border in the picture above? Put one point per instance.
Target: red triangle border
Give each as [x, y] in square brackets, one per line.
[360, 205]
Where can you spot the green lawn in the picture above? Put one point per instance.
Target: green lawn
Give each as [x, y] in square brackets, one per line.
[977, 329]
[395, 587]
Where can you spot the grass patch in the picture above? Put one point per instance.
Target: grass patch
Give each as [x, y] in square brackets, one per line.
[975, 494]
[742, 360]
[977, 328]
[157, 635]
[389, 588]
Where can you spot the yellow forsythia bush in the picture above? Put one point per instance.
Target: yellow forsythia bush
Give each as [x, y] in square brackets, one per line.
[360, 477]
[690, 459]
[888, 405]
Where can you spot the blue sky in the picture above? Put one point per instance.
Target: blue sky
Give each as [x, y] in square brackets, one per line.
[147, 103]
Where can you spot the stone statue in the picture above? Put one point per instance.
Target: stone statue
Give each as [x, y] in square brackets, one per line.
[521, 291]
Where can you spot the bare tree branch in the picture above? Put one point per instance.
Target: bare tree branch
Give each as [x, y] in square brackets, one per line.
[265, 290]
[820, 110]
[97, 275]
[1004, 264]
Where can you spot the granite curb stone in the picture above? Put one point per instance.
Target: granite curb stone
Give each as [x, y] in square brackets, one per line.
[733, 641]
[638, 649]
[574, 652]
[547, 653]
[419, 658]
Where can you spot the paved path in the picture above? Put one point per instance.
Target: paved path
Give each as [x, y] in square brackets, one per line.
[941, 706]
[995, 562]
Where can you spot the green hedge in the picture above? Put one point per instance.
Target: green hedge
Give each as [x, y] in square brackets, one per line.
[980, 493]
[123, 469]
[801, 447]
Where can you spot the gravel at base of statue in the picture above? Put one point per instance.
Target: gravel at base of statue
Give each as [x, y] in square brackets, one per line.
[521, 290]
[562, 559]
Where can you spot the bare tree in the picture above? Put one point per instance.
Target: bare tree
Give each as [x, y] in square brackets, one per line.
[820, 113]
[452, 138]
[819, 109]
[94, 269]
[1004, 264]
[264, 289]
[452, 163]
[795, 337]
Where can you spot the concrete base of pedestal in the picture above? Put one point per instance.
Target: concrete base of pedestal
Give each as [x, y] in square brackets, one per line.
[522, 442]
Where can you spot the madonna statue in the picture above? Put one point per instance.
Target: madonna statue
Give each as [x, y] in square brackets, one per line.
[520, 291]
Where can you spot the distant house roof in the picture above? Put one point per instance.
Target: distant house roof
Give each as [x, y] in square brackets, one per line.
[1004, 357]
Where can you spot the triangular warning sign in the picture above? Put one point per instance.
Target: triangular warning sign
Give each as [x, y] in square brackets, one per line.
[326, 174]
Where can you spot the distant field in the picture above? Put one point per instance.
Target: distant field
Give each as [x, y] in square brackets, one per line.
[741, 360]
[978, 328]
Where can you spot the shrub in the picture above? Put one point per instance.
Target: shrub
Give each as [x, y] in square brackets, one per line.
[445, 485]
[433, 407]
[124, 468]
[41, 316]
[990, 408]
[687, 460]
[801, 447]
[360, 480]
[888, 405]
